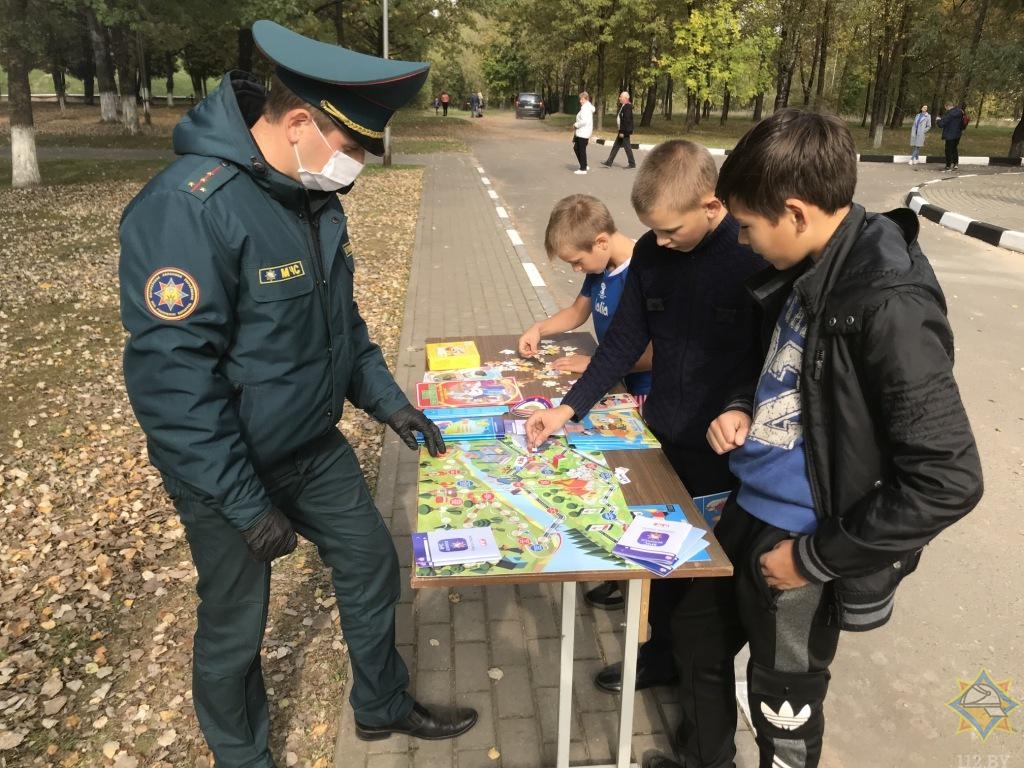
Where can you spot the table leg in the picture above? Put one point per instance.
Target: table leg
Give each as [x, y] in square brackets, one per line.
[565, 678]
[629, 672]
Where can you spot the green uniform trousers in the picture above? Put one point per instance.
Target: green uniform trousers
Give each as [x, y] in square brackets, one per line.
[322, 490]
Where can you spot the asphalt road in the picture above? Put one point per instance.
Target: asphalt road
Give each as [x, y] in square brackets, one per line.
[962, 611]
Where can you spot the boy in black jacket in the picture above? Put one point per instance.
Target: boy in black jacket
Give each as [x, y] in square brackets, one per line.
[852, 449]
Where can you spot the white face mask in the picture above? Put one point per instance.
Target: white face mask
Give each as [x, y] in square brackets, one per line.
[339, 171]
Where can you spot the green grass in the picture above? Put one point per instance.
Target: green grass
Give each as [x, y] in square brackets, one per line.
[87, 171]
[100, 141]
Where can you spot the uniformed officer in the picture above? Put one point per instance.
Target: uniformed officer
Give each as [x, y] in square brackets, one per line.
[245, 341]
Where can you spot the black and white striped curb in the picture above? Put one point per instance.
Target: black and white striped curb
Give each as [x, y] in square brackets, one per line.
[1004, 162]
[990, 233]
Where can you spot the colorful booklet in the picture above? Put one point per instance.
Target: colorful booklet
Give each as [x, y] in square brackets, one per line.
[615, 401]
[456, 427]
[449, 355]
[457, 394]
[619, 429]
[462, 374]
[458, 546]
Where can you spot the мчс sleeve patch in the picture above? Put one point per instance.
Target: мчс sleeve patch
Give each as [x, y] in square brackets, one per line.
[171, 294]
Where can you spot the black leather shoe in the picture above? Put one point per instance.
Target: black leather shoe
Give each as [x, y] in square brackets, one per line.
[607, 596]
[421, 723]
[631, 166]
[660, 761]
[606, 164]
[609, 679]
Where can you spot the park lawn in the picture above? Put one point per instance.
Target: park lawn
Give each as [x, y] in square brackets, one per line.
[991, 138]
[413, 132]
[63, 172]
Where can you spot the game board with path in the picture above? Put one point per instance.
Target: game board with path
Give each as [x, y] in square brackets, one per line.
[553, 510]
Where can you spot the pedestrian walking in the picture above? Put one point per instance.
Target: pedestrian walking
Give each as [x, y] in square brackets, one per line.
[952, 124]
[445, 101]
[624, 124]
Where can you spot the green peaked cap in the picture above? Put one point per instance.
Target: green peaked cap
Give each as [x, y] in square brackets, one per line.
[358, 92]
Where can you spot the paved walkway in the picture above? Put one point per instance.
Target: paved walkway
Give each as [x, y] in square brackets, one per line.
[468, 278]
[989, 207]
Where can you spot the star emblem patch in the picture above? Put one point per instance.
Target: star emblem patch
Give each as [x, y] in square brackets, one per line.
[171, 294]
[984, 705]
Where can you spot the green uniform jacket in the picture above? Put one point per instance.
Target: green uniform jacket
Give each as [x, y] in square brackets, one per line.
[236, 290]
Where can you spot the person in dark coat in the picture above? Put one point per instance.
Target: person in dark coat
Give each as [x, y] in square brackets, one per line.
[952, 124]
[236, 279]
[624, 123]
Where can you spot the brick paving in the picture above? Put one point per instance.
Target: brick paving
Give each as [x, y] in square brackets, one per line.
[467, 278]
[996, 198]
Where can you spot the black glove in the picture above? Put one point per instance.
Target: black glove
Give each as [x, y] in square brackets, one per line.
[407, 420]
[271, 537]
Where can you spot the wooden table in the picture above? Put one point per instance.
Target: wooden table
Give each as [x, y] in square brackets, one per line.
[652, 481]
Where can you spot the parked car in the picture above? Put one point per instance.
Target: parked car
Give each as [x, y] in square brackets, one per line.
[530, 105]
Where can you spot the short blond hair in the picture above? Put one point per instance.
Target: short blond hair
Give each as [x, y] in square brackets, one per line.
[575, 223]
[677, 174]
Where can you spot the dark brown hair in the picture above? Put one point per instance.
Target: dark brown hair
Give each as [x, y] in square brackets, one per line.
[793, 153]
[575, 223]
[282, 100]
[677, 175]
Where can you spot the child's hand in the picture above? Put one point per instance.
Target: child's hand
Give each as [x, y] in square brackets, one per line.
[529, 342]
[574, 364]
[542, 423]
[728, 431]
[779, 567]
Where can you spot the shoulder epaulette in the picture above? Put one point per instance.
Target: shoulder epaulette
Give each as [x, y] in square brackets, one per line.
[207, 179]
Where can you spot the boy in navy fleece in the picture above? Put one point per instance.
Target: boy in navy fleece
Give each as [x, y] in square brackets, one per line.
[684, 296]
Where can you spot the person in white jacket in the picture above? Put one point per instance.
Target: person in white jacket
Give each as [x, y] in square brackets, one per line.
[583, 128]
[918, 132]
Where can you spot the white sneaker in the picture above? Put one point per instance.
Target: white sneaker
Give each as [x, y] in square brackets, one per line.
[913, 161]
[580, 173]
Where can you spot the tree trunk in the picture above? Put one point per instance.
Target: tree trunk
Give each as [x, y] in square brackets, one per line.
[725, 106]
[649, 103]
[104, 68]
[826, 21]
[867, 105]
[972, 55]
[899, 106]
[169, 66]
[667, 107]
[24, 164]
[246, 47]
[60, 88]
[89, 67]
[1017, 140]
[758, 108]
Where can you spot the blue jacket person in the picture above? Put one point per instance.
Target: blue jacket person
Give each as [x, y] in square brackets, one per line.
[244, 343]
